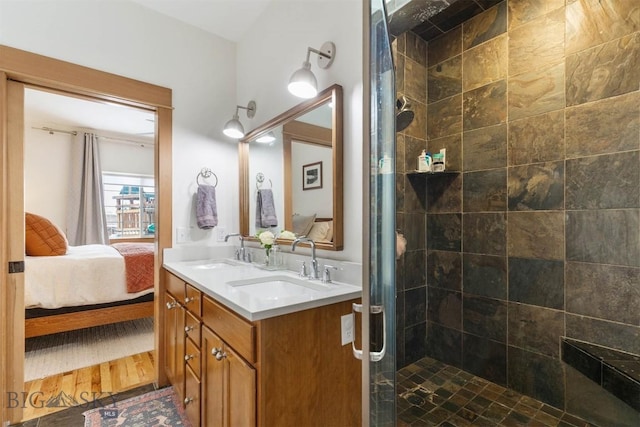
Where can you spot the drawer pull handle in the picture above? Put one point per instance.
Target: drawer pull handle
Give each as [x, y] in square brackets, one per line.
[221, 355]
[187, 300]
[171, 305]
[188, 357]
[215, 351]
[188, 400]
[188, 329]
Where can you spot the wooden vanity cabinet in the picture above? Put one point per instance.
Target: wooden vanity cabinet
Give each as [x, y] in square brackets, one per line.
[282, 371]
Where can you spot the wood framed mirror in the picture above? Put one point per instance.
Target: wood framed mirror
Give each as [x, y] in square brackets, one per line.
[298, 156]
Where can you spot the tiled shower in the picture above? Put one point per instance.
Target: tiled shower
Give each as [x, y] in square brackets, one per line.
[537, 237]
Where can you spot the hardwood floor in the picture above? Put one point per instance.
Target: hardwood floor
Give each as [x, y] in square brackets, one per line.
[87, 387]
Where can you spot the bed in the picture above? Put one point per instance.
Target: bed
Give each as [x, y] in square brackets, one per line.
[89, 285]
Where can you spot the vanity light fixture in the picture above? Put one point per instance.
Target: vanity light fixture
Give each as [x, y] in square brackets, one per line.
[266, 138]
[303, 83]
[234, 128]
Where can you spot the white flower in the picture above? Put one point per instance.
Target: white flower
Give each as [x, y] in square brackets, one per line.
[286, 234]
[267, 238]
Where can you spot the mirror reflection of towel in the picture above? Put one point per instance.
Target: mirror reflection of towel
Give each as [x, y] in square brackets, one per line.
[206, 208]
[265, 209]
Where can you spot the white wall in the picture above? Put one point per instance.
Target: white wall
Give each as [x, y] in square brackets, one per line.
[46, 174]
[127, 39]
[275, 47]
[318, 201]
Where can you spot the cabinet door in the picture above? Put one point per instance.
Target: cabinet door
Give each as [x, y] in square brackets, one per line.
[212, 378]
[240, 387]
[174, 343]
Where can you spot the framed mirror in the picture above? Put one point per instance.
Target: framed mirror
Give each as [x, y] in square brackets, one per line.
[297, 158]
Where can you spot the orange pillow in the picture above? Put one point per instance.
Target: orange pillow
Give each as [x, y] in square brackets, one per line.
[42, 237]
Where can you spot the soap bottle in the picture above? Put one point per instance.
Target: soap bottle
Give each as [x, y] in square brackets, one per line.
[438, 162]
[384, 165]
[424, 162]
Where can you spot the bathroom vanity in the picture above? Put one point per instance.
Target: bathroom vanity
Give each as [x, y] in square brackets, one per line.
[250, 347]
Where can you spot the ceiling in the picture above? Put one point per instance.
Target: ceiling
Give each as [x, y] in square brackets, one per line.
[229, 19]
[46, 109]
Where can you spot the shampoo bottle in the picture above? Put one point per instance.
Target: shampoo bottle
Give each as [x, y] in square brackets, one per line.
[424, 162]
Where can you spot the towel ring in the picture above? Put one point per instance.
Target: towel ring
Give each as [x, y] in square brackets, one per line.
[260, 180]
[206, 173]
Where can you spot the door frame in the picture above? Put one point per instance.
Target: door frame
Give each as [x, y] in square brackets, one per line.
[48, 73]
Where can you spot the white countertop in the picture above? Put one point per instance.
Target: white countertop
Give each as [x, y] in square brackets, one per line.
[213, 279]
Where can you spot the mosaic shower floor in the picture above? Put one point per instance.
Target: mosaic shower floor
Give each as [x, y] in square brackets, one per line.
[431, 393]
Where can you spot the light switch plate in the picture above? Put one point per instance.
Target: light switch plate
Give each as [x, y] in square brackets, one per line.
[220, 233]
[182, 235]
[346, 323]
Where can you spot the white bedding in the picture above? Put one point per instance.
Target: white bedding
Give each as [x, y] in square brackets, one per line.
[89, 274]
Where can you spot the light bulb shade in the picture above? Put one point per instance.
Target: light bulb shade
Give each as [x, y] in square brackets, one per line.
[266, 138]
[234, 128]
[303, 83]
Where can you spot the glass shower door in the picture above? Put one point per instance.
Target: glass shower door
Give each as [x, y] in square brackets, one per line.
[379, 343]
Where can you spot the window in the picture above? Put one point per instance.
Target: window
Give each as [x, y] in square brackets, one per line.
[130, 205]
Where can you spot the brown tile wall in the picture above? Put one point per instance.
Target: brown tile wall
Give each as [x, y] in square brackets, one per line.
[538, 236]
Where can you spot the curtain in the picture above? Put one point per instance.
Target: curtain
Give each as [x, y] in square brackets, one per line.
[86, 218]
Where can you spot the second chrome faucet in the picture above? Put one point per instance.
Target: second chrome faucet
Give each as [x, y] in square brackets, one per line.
[241, 254]
[314, 262]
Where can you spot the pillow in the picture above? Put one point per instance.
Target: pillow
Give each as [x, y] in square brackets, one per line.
[330, 232]
[318, 232]
[302, 224]
[42, 237]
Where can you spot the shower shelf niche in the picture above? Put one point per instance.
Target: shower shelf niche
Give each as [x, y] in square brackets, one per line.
[446, 172]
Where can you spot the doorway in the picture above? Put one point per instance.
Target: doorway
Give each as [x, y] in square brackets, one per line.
[17, 70]
[56, 362]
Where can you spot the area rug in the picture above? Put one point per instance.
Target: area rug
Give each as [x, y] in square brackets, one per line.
[157, 408]
[57, 353]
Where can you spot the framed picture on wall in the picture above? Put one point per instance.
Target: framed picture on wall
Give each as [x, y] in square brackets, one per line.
[312, 176]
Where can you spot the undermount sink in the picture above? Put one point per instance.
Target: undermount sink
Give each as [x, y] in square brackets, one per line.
[277, 287]
[214, 264]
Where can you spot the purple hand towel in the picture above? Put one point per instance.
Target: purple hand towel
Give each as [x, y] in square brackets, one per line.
[206, 209]
[265, 209]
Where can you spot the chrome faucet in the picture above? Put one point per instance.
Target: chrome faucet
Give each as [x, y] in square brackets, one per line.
[241, 254]
[314, 263]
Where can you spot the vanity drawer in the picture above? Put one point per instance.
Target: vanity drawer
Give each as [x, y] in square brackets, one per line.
[192, 397]
[192, 357]
[235, 331]
[193, 300]
[192, 328]
[175, 287]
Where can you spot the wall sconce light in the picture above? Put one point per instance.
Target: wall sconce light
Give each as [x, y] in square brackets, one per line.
[234, 128]
[266, 138]
[303, 83]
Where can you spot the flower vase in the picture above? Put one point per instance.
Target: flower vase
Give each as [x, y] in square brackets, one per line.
[274, 258]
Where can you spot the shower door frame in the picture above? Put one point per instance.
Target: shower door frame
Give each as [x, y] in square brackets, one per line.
[379, 244]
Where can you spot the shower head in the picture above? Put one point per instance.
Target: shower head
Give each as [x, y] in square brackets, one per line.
[404, 114]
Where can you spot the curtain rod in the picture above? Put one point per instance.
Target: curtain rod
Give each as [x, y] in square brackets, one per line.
[115, 138]
[52, 131]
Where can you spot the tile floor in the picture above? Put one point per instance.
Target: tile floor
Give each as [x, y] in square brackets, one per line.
[431, 393]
